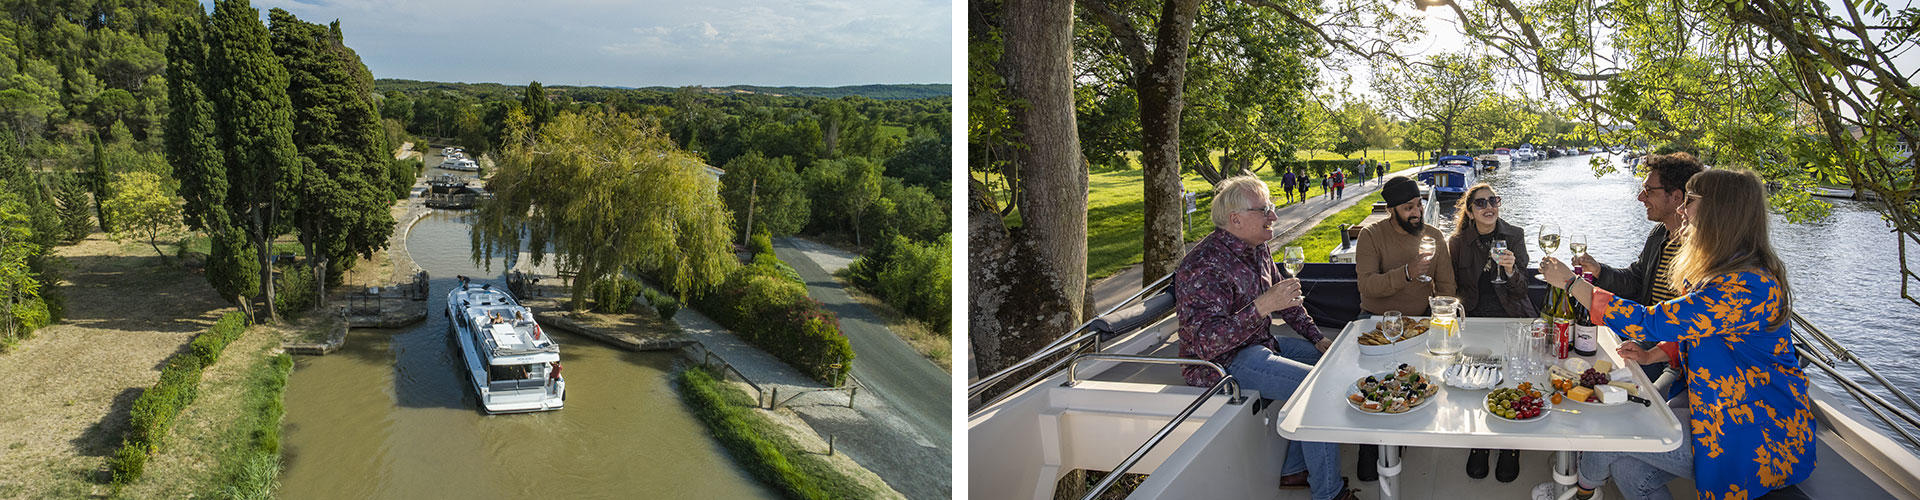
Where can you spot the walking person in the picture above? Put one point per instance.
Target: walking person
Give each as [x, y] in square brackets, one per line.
[1326, 183]
[1731, 323]
[1306, 180]
[1286, 185]
[1339, 183]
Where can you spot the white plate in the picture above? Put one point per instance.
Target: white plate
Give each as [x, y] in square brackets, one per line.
[1546, 408]
[1584, 403]
[1354, 388]
[1485, 378]
[1397, 346]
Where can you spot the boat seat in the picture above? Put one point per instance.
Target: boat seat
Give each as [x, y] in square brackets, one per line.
[1133, 317]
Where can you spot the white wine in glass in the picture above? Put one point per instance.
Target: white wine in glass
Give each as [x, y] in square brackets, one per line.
[1295, 258]
[1578, 244]
[1549, 238]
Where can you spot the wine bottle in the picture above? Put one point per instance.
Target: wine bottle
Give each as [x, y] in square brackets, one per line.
[1559, 317]
[1586, 341]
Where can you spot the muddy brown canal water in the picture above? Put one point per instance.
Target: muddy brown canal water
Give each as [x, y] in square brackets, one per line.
[390, 416]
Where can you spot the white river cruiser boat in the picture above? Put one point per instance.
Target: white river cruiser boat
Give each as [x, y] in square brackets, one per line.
[1108, 396]
[513, 364]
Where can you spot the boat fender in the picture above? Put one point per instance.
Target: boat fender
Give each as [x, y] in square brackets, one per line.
[536, 333]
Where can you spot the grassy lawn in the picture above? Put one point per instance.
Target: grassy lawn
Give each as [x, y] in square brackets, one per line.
[756, 443]
[1326, 235]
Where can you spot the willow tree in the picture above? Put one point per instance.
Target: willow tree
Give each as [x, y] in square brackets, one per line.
[607, 192]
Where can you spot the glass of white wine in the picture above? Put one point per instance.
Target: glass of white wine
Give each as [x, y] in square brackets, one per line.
[1578, 244]
[1549, 238]
[1499, 249]
[1427, 244]
[1294, 259]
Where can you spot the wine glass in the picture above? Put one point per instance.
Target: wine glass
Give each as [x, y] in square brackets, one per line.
[1427, 244]
[1390, 325]
[1549, 238]
[1295, 258]
[1499, 249]
[1578, 244]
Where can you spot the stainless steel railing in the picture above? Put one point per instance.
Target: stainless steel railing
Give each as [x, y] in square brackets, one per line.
[1879, 406]
[1072, 342]
[1226, 383]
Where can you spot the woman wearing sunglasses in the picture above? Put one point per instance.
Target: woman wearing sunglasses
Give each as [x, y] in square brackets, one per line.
[1488, 286]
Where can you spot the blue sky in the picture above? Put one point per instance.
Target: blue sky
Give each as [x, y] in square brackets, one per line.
[642, 43]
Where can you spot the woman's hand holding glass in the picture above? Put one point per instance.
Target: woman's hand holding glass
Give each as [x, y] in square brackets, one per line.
[1556, 273]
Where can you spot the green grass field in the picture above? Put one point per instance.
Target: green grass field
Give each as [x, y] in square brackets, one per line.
[1326, 235]
[757, 444]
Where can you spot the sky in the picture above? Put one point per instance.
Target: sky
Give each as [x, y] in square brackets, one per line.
[644, 43]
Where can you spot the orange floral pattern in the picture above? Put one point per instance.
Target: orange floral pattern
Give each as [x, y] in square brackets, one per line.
[1752, 419]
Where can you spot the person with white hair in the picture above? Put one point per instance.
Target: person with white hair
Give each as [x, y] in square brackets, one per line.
[1229, 291]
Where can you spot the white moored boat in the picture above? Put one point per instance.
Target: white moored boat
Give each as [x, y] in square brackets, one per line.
[514, 365]
[1109, 396]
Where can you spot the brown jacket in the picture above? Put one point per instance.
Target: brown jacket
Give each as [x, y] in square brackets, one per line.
[1470, 258]
[1381, 262]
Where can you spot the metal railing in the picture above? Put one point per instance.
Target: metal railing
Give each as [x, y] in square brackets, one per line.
[1879, 406]
[1226, 383]
[1072, 342]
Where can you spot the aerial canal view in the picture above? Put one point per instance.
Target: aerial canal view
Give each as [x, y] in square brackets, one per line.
[308, 250]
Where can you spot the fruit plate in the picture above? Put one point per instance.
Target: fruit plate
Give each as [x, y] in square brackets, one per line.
[1424, 400]
[1546, 408]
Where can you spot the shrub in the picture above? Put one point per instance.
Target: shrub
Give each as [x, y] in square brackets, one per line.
[128, 463]
[614, 295]
[232, 266]
[294, 294]
[768, 264]
[918, 280]
[153, 413]
[771, 310]
[761, 244]
[209, 344]
[665, 305]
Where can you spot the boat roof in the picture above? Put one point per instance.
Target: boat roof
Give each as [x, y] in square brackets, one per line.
[507, 329]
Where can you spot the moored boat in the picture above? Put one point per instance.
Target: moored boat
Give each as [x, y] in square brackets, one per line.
[1450, 176]
[513, 365]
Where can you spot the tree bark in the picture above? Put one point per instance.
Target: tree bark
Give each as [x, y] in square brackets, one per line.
[1052, 180]
[1162, 90]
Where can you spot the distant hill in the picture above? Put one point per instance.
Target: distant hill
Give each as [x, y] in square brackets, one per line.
[885, 92]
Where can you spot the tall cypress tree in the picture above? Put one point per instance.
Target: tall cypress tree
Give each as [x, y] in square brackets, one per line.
[102, 189]
[537, 106]
[255, 123]
[340, 141]
[192, 145]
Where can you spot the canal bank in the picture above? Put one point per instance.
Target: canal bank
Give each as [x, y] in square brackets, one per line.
[389, 415]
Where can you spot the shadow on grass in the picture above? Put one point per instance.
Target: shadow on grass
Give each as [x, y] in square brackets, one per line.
[103, 437]
[100, 288]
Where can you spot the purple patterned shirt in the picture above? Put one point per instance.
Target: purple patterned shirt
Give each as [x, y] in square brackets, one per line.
[1216, 284]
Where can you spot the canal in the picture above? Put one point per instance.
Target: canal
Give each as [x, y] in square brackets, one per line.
[391, 416]
[1844, 270]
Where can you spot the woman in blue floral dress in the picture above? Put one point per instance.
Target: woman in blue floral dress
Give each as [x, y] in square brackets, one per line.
[1750, 418]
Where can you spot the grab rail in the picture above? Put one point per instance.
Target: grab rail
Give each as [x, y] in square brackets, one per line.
[1073, 366]
[1226, 381]
[1867, 399]
[1072, 339]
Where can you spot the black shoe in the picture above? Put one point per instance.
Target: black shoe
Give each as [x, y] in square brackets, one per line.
[1509, 466]
[1477, 463]
[1368, 468]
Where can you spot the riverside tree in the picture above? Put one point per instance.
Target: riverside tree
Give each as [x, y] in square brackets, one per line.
[254, 119]
[765, 192]
[607, 192]
[341, 212]
[1439, 94]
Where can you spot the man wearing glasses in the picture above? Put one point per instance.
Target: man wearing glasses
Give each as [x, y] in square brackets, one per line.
[1645, 282]
[1229, 291]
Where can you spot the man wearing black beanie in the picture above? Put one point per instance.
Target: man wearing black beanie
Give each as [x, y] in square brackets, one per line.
[1389, 262]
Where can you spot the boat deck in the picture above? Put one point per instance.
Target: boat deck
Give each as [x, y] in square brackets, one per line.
[1440, 472]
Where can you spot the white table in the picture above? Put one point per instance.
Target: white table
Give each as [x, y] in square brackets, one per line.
[1319, 411]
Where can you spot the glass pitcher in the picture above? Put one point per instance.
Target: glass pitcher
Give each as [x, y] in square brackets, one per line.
[1444, 340]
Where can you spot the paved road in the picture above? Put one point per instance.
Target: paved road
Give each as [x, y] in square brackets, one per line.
[883, 362]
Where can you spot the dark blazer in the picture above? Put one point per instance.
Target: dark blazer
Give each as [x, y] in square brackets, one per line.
[1470, 256]
[1634, 283]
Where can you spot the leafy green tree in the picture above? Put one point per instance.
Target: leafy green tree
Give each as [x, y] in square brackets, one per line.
[925, 162]
[1440, 93]
[19, 287]
[608, 192]
[765, 192]
[233, 266]
[254, 117]
[906, 210]
[192, 144]
[143, 208]
[536, 105]
[844, 189]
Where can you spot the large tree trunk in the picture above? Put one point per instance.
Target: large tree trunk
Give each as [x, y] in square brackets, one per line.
[1162, 99]
[1052, 180]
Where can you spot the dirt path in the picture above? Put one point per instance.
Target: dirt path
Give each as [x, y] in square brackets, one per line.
[69, 387]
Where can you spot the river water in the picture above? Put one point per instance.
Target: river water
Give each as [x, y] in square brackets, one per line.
[1844, 270]
[391, 416]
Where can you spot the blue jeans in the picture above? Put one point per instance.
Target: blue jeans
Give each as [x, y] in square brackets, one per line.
[1276, 375]
[1641, 475]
